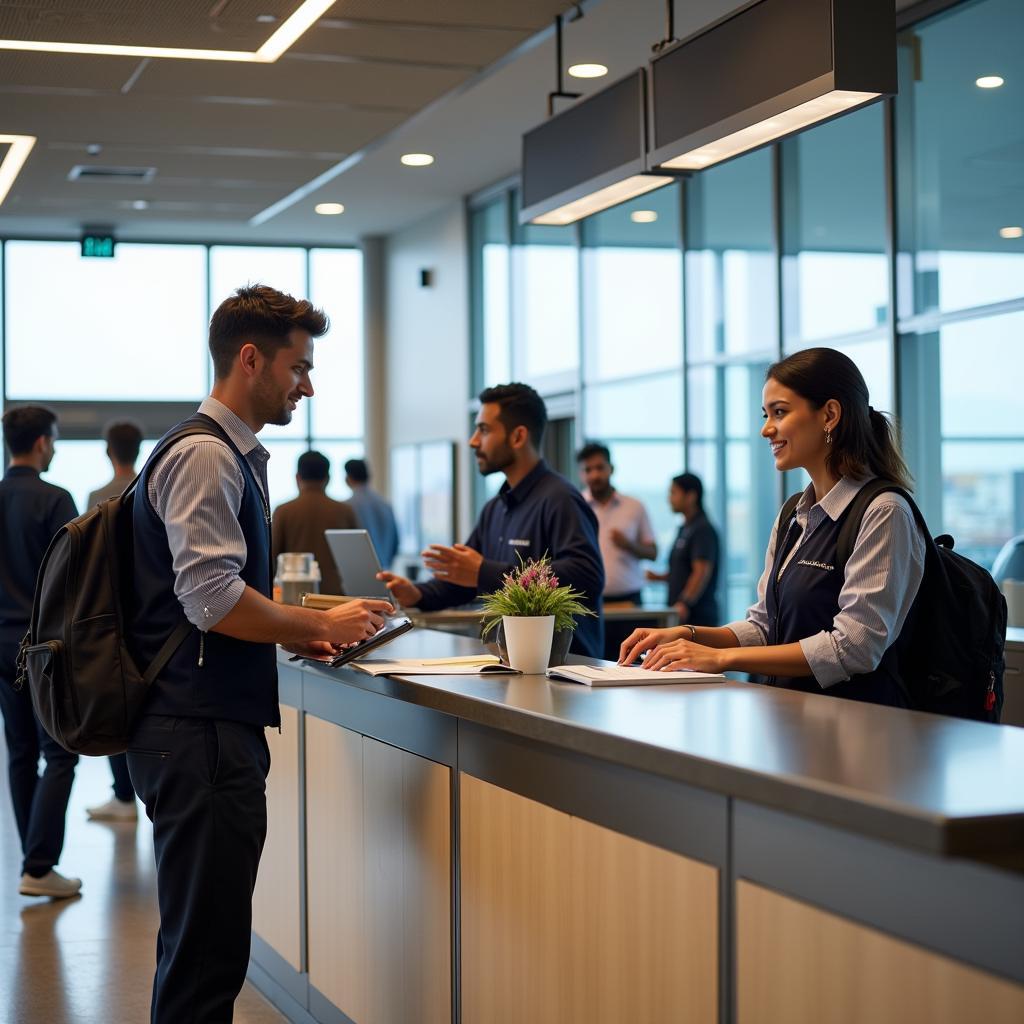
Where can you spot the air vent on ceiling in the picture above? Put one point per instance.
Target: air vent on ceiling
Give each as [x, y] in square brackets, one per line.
[91, 172]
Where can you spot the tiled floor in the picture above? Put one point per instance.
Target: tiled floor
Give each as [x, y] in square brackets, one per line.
[88, 960]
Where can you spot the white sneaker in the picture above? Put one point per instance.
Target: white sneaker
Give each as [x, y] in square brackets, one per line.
[53, 883]
[114, 810]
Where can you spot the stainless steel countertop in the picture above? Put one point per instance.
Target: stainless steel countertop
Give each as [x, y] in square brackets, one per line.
[943, 785]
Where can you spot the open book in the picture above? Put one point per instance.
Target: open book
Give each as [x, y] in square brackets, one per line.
[470, 665]
[622, 675]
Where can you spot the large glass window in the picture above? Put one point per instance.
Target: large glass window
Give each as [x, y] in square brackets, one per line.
[732, 336]
[959, 159]
[960, 170]
[545, 303]
[491, 279]
[633, 288]
[128, 328]
[336, 286]
[834, 265]
[134, 329]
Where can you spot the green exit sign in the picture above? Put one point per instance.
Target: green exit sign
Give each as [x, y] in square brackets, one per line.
[101, 246]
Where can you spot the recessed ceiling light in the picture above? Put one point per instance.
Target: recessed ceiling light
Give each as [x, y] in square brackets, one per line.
[329, 209]
[1012, 232]
[266, 19]
[643, 216]
[140, 204]
[588, 70]
[417, 159]
[988, 82]
[17, 154]
[94, 149]
[288, 31]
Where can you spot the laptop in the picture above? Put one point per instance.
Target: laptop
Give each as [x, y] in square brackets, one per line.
[356, 558]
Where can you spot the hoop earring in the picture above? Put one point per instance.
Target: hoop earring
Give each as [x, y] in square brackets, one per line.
[828, 436]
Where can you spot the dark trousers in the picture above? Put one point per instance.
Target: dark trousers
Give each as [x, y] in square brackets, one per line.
[123, 788]
[616, 630]
[204, 786]
[40, 801]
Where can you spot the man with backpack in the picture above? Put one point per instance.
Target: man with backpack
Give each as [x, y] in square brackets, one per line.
[201, 546]
[31, 512]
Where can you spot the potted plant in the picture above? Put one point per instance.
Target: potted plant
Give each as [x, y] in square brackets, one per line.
[530, 607]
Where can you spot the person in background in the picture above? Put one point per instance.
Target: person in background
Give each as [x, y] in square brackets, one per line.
[812, 628]
[299, 524]
[624, 533]
[375, 515]
[123, 443]
[537, 512]
[692, 575]
[31, 512]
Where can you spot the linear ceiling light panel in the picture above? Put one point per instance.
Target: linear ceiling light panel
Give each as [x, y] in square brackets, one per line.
[590, 157]
[19, 147]
[288, 32]
[772, 69]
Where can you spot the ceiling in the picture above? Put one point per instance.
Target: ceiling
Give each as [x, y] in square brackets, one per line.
[243, 152]
[226, 139]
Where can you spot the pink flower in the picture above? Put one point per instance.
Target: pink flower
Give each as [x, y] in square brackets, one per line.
[553, 583]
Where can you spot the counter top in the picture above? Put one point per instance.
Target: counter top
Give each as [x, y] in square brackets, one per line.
[945, 786]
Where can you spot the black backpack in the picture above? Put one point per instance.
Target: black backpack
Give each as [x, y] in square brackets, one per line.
[952, 662]
[86, 689]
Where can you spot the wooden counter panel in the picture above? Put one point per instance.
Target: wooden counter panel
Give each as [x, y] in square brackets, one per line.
[275, 903]
[407, 860]
[516, 895]
[334, 865]
[801, 965]
[563, 920]
[646, 931]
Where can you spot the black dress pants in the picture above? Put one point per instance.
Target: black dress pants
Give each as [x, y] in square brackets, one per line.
[40, 801]
[203, 782]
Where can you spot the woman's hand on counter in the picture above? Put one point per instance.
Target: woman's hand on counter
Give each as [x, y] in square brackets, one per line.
[644, 639]
[681, 654]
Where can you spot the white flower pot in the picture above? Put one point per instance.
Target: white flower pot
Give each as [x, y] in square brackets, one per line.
[529, 641]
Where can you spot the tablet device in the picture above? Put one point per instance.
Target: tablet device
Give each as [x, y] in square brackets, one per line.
[357, 562]
[391, 630]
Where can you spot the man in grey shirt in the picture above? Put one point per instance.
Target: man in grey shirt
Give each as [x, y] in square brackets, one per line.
[198, 756]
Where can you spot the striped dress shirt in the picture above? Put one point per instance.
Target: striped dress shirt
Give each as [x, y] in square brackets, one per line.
[196, 490]
[883, 575]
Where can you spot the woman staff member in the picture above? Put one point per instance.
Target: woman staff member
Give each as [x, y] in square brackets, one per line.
[813, 628]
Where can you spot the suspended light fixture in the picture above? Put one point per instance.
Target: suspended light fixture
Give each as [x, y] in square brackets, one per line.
[589, 157]
[771, 69]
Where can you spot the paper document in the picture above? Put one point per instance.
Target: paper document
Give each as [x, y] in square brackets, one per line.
[472, 665]
[619, 675]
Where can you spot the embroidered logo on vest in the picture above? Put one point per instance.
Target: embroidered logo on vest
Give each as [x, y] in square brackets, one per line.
[816, 565]
[519, 543]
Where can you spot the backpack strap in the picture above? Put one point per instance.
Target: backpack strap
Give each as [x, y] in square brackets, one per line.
[851, 526]
[166, 652]
[786, 513]
[199, 423]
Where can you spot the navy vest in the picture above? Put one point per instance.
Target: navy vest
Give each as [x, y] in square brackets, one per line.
[237, 679]
[806, 600]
